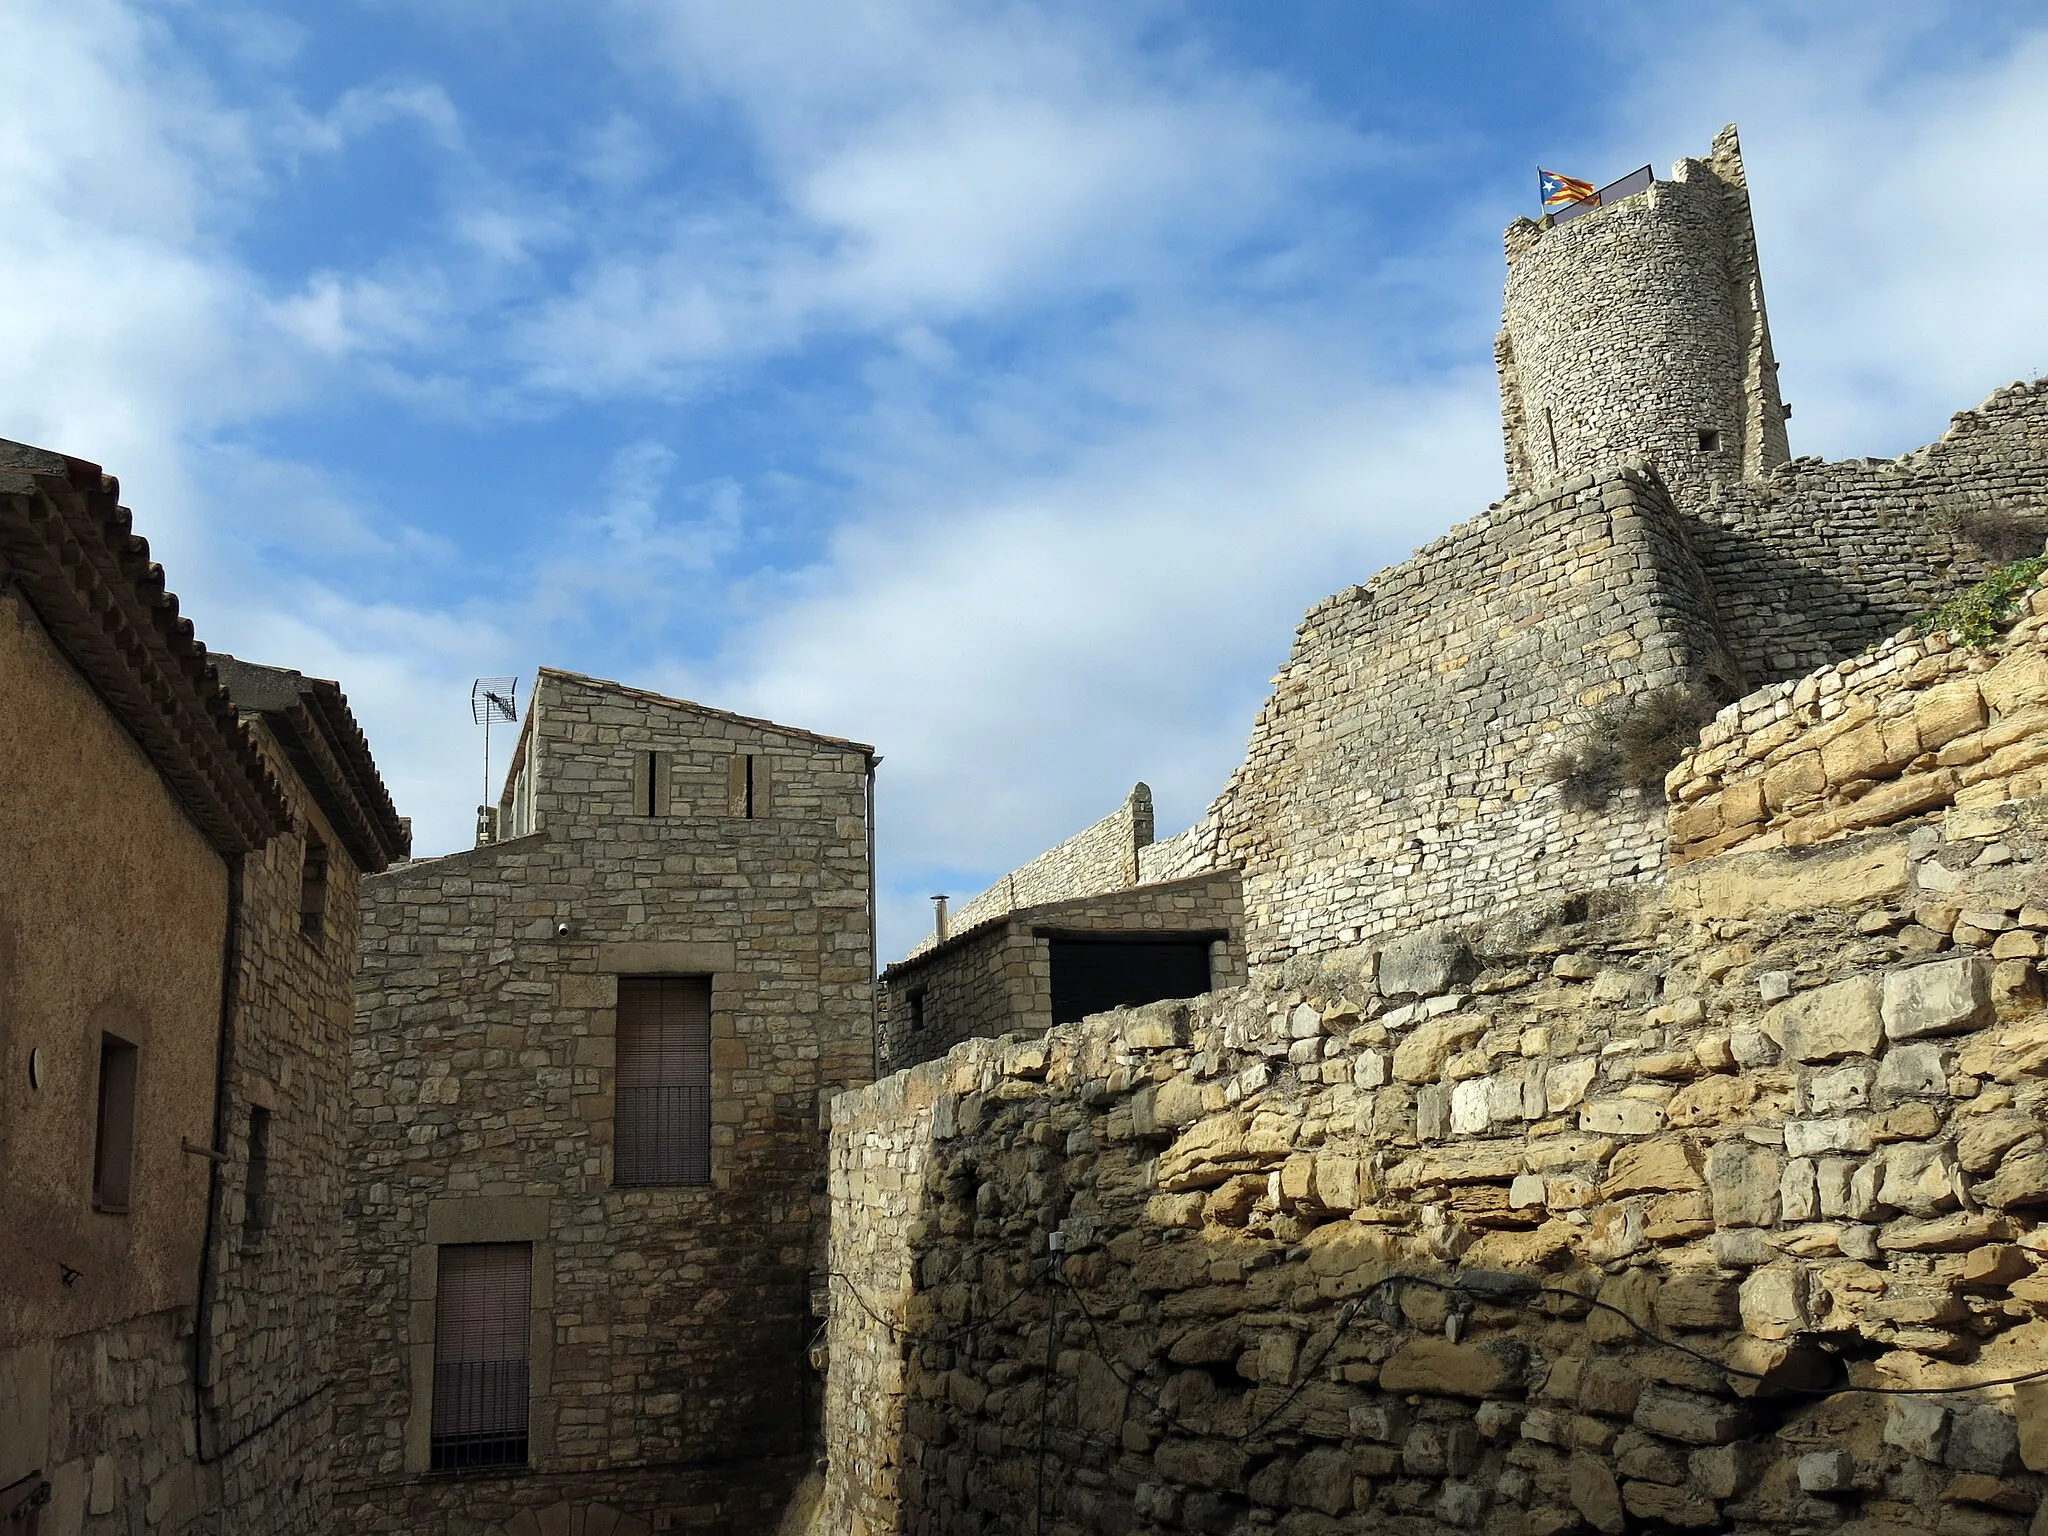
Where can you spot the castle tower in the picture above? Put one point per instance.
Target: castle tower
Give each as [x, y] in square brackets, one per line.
[1638, 328]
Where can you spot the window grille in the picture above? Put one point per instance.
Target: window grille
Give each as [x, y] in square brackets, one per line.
[662, 1129]
[113, 1163]
[482, 1328]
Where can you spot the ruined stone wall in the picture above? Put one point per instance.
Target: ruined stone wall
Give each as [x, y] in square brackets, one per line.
[1397, 774]
[1634, 329]
[1141, 1275]
[1817, 560]
[997, 978]
[670, 1379]
[1916, 724]
[1102, 857]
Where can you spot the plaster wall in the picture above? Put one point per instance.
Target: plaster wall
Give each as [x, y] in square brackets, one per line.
[127, 940]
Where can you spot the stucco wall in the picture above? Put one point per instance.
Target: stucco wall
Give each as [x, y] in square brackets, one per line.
[127, 939]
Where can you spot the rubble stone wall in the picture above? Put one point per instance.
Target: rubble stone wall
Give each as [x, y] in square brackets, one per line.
[1914, 725]
[1146, 1272]
[998, 979]
[1816, 560]
[1396, 776]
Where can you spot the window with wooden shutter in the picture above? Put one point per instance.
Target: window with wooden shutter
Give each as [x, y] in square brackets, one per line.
[482, 1331]
[662, 1127]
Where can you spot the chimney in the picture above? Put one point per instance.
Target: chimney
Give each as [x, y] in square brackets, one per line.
[939, 918]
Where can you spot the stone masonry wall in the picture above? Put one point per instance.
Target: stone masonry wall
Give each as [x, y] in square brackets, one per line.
[1102, 857]
[266, 1331]
[997, 978]
[1633, 329]
[671, 1383]
[1266, 1262]
[1397, 773]
[1911, 726]
[1816, 560]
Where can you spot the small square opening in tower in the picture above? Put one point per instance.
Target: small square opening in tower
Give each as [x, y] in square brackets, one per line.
[1710, 440]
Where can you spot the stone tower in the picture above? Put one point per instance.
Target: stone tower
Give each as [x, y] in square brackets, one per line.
[1638, 328]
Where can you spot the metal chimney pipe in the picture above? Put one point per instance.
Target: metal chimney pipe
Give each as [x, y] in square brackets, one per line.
[939, 918]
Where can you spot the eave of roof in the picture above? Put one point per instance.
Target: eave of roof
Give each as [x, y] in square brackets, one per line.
[69, 548]
[312, 722]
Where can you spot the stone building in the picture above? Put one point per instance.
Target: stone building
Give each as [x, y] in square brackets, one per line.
[1098, 922]
[177, 938]
[587, 1210]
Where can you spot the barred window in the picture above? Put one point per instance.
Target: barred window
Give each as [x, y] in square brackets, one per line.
[482, 1328]
[662, 1131]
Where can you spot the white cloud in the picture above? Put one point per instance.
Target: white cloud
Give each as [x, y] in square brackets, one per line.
[926, 162]
[1900, 180]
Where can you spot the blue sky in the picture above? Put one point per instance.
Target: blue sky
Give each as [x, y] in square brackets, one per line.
[995, 383]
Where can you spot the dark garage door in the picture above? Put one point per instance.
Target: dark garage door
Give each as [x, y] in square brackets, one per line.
[1091, 975]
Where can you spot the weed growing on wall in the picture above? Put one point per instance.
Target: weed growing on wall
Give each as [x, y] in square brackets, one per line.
[1975, 617]
[1630, 744]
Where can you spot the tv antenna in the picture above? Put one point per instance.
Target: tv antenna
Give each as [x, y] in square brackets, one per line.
[491, 700]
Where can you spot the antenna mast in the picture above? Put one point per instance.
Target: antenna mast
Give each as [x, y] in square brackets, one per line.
[491, 699]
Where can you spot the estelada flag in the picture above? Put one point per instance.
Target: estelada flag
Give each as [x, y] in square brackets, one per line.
[1562, 191]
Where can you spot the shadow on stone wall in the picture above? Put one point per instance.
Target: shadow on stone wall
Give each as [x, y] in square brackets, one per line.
[1624, 1314]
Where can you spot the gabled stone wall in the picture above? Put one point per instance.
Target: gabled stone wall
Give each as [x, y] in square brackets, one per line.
[670, 1381]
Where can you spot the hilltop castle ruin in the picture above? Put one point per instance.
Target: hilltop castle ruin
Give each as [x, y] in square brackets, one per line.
[1588, 1149]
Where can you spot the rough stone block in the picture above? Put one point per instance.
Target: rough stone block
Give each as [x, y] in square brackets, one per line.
[1828, 1471]
[1774, 1302]
[1422, 964]
[1689, 1417]
[1983, 1438]
[1842, 1019]
[1918, 1426]
[1944, 997]
[1795, 781]
[1743, 1180]
[1942, 714]
[1463, 1370]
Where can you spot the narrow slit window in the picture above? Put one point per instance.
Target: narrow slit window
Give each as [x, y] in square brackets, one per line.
[917, 1013]
[650, 784]
[751, 786]
[256, 1195]
[482, 1350]
[662, 1129]
[313, 888]
[113, 1163]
